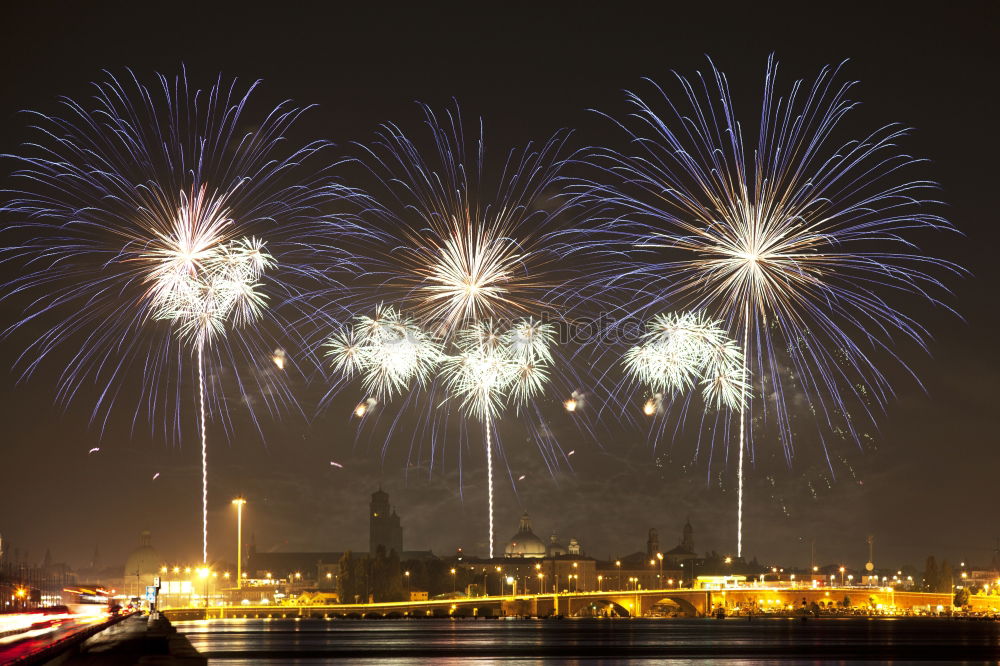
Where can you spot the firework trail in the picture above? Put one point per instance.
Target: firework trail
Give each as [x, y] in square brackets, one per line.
[493, 368]
[459, 241]
[151, 226]
[803, 243]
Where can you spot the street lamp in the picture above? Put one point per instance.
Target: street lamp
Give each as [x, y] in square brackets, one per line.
[842, 570]
[599, 580]
[659, 579]
[541, 580]
[510, 581]
[454, 580]
[239, 502]
[618, 563]
[203, 574]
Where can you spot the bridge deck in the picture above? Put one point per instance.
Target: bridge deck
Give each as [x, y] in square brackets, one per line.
[637, 602]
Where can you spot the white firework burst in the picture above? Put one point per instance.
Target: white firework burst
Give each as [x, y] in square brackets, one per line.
[681, 349]
[388, 350]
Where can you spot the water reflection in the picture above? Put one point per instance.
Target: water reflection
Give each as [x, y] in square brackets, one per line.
[731, 641]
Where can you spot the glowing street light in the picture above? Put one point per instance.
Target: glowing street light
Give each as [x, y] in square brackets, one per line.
[842, 570]
[599, 580]
[203, 573]
[238, 503]
[618, 563]
[454, 580]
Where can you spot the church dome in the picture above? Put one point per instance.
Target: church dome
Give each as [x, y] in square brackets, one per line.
[525, 543]
[144, 560]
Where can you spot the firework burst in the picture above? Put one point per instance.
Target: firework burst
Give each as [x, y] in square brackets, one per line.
[388, 350]
[801, 244]
[152, 229]
[458, 239]
[461, 243]
[679, 350]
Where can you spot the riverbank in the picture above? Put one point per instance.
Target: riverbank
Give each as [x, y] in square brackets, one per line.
[139, 639]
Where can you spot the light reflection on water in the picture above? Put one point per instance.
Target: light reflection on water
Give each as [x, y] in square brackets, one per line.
[732, 641]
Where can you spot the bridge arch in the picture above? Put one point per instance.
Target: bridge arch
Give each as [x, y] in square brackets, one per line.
[683, 603]
[590, 606]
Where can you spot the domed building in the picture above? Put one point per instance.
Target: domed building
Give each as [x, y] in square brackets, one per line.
[142, 565]
[525, 543]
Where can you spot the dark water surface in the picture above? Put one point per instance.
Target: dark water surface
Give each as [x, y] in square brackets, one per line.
[674, 641]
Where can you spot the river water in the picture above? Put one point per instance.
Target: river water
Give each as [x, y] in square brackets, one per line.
[573, 641]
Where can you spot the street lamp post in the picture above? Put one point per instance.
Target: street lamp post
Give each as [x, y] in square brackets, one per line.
[599, 581]
[511, 582]
[842, 570]
[203, 574]
[618, 563]
[541, 579]
[454, 580]
[239, 502]
[659, 580]
[408, 594]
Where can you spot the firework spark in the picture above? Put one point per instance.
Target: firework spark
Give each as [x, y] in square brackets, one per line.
[798, 243]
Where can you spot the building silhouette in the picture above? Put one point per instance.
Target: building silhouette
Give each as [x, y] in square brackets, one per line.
[383, 525]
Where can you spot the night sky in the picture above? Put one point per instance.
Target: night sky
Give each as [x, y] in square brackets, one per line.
[929, 484]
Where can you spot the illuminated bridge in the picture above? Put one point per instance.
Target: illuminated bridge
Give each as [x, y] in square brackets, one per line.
[691, 602]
